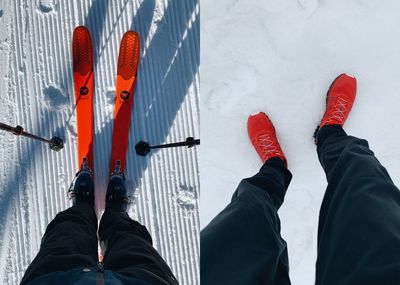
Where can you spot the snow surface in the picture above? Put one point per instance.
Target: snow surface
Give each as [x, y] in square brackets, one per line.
[280, 56]
[36, 90]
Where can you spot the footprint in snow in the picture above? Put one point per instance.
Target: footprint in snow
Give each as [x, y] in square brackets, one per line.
[54, 98]
[186, 198]
[1, 13]
[46, 5]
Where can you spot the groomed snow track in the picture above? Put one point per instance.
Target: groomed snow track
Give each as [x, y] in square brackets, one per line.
[37, 92]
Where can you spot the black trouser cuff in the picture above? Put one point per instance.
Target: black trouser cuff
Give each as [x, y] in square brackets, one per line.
[326, 131]
[274, 178]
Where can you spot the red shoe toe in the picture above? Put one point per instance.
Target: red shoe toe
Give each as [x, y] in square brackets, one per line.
[263, 137]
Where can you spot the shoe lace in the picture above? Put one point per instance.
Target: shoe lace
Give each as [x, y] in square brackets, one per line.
[267, 144]
[339, 109]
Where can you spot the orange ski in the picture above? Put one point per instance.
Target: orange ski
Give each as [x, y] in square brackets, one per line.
[128, 62]
[82, 54]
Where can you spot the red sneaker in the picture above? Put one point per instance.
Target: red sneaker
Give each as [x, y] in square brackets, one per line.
[263, 137]
[339, 100]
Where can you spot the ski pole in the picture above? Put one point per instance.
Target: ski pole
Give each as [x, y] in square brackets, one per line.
[55, 143]
[143, 148]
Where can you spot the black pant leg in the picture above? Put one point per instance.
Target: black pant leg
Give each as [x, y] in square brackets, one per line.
[359, 226]
[129, 249]
[70, 241]
[242, 245]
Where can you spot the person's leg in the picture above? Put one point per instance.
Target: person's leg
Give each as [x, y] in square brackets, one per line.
[70, 241]
[359, 225]
[129, 249]
[242, 244]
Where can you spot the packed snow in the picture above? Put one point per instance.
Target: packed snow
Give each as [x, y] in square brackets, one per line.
[36, 90]
[280, 56]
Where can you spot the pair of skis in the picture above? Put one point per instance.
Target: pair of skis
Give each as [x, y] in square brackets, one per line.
[128, 61]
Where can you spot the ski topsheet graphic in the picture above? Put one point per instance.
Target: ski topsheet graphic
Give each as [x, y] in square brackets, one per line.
[128, 61]
[82, 54]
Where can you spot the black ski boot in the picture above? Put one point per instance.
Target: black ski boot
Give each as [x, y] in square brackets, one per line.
[81, 190]
[117, 195]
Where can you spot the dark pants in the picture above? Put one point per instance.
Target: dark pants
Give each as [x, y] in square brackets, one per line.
[242, 244]
[130, 251]
[359, 227]
[71, 242]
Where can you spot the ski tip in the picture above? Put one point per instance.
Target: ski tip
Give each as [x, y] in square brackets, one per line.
[81, 31]
[81, 34]
[131, 33]
[129, 56]
[131, 38]
[82, 51]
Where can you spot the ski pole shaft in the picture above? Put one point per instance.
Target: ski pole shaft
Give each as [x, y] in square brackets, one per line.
[7, 128]
[19, 131]
[143, 148]
[55, 143]
[32, 136]
[189, 143]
